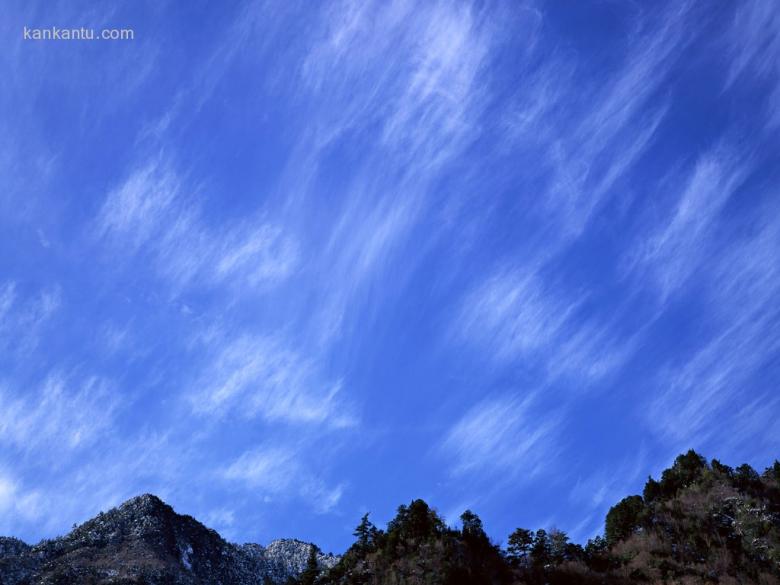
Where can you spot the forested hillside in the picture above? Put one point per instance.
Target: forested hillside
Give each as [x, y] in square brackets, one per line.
[700, 522]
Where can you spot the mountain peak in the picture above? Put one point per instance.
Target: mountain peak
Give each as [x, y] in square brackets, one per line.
[144, 501]
[143, 540]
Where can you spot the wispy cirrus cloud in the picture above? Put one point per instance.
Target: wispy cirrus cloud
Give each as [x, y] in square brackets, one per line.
[23, 315]
[607, 128]
[151, 214]
[261, 377]
[753, 431]
[137, 209]
[411, 90]
[269, 469]
[504, 436]
[743, 283]
[753, 41]
[430, 67]
[515, 312]
[17, 504]
[680, 243]
[279, 473]
[65, 414]
[517, 317]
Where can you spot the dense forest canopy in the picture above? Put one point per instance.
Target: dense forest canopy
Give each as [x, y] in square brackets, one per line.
[700, 522]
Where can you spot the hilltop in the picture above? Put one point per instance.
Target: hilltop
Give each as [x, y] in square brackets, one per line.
[144, 541]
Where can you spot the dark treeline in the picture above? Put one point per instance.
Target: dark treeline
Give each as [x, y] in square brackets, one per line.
[701, 522]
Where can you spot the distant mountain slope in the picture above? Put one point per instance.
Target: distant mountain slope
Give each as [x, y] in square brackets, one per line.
[701, 522]
[144, 541]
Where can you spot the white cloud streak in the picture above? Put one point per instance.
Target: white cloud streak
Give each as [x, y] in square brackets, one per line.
[414, 75]
[606, 130]
[679, 245]
[743, 283]
[516, 317]
[514, 312]
[279, 473]
[22, 318]
[150, 214]
[64, 415]
[17, 504]
[754, 44]
[261, 377]
[502, 437]
[512, 315]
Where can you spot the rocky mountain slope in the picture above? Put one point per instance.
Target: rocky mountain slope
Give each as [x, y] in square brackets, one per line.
[144, 541]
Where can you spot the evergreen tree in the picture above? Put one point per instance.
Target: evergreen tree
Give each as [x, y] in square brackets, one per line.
[472, 526]
[559, 545]
[624, 518]
[312, 570]
[773, 472]
[519, 545]
[366, 533]
[420, 521]
[746, 473]
[687, 469]
[596, 554]
[652, 491]
[540, 548]
[722, 469]
[746, 479]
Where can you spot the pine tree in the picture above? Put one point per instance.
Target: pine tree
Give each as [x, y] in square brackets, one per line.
[652, 491]
[472, 526]
[720, 468]
[559, 545]
[312, 570]
[773, 472]
[540, 548]
[366, 534]
[519, 545]
[624, 518]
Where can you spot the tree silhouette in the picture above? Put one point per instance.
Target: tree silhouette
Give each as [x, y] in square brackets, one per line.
[366, 533]
[624, 518]
[312, 570]
[519, 545]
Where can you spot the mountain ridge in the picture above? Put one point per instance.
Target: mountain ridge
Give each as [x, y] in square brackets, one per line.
[143, 540]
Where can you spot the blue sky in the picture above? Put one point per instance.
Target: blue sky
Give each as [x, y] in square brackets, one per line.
[283, 263]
